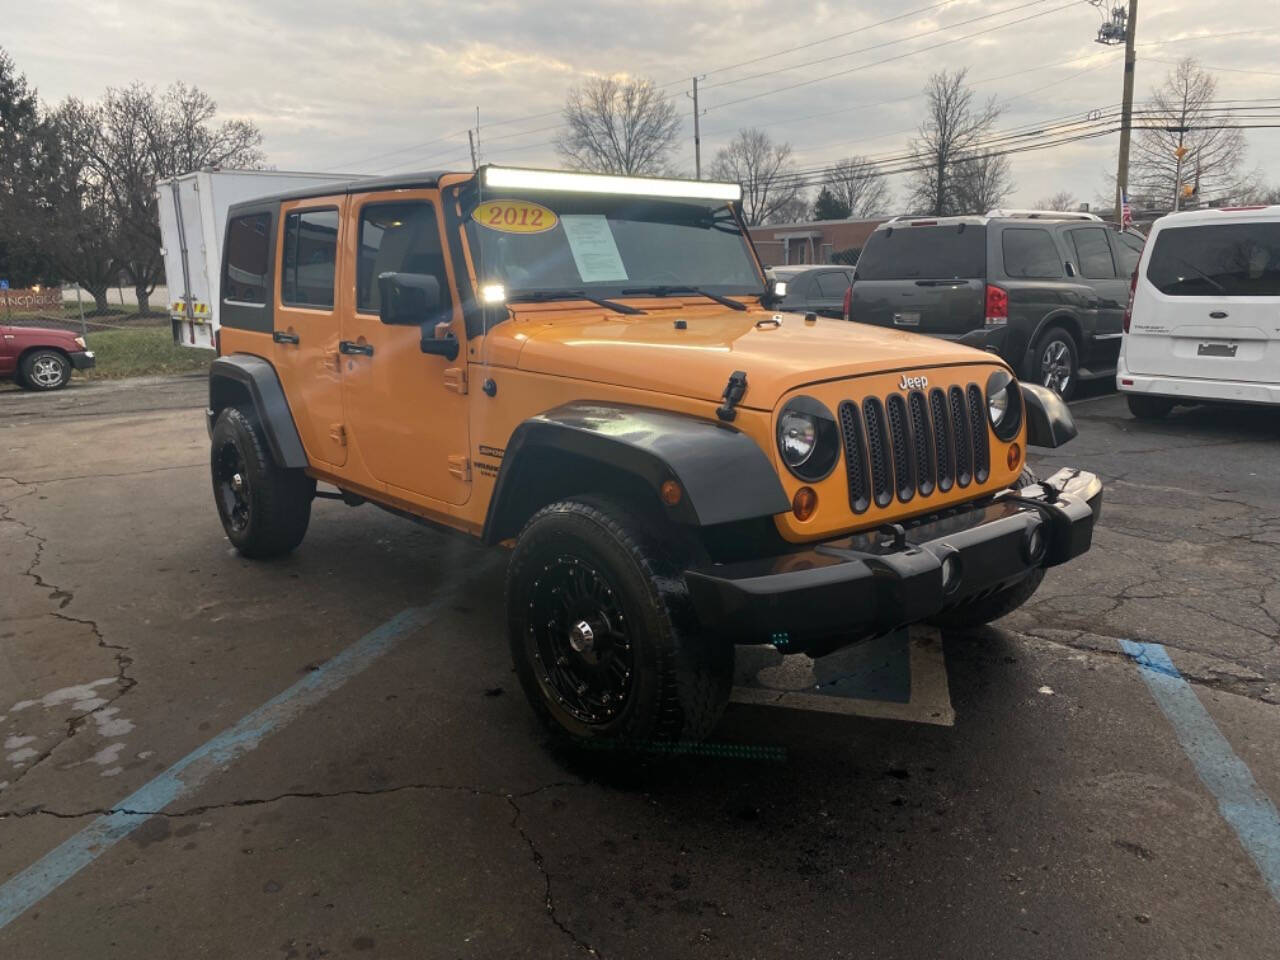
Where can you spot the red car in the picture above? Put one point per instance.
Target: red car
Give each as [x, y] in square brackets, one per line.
[41, 359]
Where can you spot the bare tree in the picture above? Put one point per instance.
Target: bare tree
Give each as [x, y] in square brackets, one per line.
[617, 125]
[858, 186]
[1181, 113]
[765, 170]
[981, 183]
[1062, 200]
[952, 132]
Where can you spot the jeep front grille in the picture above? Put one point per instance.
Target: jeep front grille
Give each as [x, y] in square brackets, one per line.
[911, 445]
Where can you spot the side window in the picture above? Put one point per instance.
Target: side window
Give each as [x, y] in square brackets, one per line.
[398, 238]
[833, 285]
[1093, 253]
[1128, 251]
[244, 277]
[1030, 254]
[310, 248]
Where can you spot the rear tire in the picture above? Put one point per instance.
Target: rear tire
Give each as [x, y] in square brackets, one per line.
[264, 508]
[44, 370]
[1056, 362]
[976, 613]
[1148, 408]
[602, 635]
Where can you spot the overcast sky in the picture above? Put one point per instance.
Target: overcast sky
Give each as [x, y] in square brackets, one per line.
[341, 85]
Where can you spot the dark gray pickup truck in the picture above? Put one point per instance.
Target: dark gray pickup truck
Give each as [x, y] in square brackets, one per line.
[1046, 291]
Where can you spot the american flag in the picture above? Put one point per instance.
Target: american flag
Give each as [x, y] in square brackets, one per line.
[1126, 212]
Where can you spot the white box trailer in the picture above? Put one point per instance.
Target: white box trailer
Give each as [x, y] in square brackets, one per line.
[193, 217]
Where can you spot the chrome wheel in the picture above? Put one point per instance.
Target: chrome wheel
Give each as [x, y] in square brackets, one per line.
[1056, 366]
[232, 485]
[48, 372]
[579, 641]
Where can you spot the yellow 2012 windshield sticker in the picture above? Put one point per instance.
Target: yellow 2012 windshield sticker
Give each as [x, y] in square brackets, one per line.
[514, 216]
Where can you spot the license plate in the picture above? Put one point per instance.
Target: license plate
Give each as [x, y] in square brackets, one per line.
[906, 319]
[1217, 349]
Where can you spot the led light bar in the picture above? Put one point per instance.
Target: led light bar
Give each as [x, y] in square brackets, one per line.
[519, 178]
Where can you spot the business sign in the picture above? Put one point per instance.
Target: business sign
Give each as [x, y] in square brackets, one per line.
[33, 298]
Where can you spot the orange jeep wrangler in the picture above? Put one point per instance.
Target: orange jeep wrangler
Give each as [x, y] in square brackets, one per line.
[591, 371]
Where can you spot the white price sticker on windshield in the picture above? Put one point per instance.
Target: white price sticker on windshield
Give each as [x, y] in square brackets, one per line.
[594, 250]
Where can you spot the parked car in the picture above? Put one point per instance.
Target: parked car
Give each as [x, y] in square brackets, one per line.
[1044, 290]
[40, 359]
[813, 289]
[1204, 315]
[610, 395]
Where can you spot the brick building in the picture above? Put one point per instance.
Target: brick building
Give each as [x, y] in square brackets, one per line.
[814, 242]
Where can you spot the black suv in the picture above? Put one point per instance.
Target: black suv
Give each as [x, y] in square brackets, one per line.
[1046, 291]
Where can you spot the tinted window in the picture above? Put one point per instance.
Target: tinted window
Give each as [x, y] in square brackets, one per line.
[1093, 253]
[1128, 251]
[397, 238]
[1230, 259]
[310, 246]
[943, 252]
[244, 277]
[833, 285]
[1031, 254]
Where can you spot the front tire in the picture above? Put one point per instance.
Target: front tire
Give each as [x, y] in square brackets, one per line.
[264, 508]
[1056, 359]
[602, 636]
[1149, 408]
[976, 613]
[44, 370]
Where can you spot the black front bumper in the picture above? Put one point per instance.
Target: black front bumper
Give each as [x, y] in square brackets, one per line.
[82, 359]
[854, 587]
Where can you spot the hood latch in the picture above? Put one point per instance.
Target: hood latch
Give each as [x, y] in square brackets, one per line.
[734, 391]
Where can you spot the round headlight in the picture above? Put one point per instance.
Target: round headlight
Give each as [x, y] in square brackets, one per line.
[808, 440]
[1004, 405]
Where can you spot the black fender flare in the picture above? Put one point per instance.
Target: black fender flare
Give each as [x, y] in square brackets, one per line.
[723, 473]
[259, 380]
[1069, 321]
[1049, 420]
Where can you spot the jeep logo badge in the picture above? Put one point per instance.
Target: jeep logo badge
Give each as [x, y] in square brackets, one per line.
[912, 383]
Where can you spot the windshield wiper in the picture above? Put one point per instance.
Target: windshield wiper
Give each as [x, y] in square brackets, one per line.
[663, 291]
[542, 296]
[1203, 275]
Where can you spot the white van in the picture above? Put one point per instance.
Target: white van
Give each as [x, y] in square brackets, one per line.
[1203, 322]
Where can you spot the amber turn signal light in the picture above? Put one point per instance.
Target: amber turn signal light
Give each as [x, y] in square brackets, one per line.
[1015, 456]
[671, 492]
[804, 503]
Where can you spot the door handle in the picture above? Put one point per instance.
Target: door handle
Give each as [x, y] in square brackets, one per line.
[281, 337]
[350, 347]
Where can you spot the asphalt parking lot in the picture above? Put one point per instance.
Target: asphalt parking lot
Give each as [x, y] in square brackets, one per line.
[329, 756]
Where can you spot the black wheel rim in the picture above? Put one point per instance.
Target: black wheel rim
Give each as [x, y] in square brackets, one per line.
[580, 640]
[231, 481]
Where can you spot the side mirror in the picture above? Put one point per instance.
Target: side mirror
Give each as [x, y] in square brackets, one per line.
[407, 299]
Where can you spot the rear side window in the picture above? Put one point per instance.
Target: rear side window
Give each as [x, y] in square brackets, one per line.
[244, 277]
[947, 252]
[397, 238]
[1093, 253]
[310, 248]
[1128, 250]
[1031, 254]
[833, 285]
[1229, 259]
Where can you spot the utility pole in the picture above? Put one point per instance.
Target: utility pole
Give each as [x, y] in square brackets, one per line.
[471, 138]
[1122, 28]
[477, 141]
[697, 134]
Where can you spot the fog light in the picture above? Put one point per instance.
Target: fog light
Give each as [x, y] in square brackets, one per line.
[1036, 544]
[1015, 456]
[671, 493]
[804, 503]
[950, 572]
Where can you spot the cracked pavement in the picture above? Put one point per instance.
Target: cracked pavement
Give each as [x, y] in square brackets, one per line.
[417, 812]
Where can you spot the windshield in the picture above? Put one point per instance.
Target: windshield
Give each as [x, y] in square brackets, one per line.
[603, 244]
[951, 252]
[1229, 259]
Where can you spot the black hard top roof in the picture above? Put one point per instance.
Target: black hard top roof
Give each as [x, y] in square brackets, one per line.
[401, 181]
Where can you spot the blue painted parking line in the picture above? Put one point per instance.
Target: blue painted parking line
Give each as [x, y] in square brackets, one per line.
[58, 866]
[1244, 806]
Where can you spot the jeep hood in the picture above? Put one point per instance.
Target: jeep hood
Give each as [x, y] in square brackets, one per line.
[649, 353]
